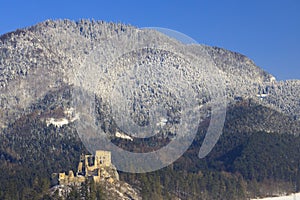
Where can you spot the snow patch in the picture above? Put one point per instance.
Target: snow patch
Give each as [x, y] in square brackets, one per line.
[272, 79]
[262, 95]
[59, 122]
[70, 112]
[295, 196]
[162, 122]
[2, 125]
[123, 136]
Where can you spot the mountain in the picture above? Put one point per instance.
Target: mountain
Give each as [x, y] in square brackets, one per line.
[44, 67]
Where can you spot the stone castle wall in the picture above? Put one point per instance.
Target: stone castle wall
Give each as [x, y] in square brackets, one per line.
[89, 167]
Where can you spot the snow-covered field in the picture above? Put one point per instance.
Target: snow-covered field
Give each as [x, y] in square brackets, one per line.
[290, 197]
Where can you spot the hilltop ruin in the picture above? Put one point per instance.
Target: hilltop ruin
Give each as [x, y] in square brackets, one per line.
[90, 167]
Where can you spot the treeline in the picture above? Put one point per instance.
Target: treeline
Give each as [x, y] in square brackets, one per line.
[263, 165]
[30, 152]
[244, 163]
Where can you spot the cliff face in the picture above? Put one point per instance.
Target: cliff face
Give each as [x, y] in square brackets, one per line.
[108, 186]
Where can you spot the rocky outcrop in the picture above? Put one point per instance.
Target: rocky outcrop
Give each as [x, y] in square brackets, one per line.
[116, 190]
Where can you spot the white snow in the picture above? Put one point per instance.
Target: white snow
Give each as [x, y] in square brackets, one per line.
[62, 190]
[290, 197]
[69, 112]
[162, 122]
[262, 95]
[272, 79]
[123, 136]
[59, 122]
[2, 125]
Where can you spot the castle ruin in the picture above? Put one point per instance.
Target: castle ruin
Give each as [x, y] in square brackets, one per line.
[90, 167]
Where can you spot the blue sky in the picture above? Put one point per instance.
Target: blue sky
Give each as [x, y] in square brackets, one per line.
[267, 31]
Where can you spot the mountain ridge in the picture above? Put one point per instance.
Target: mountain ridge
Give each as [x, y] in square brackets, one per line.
[244, 78]
[37, 69]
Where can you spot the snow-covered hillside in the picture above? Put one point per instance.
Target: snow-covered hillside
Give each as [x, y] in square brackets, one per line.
[289, 197]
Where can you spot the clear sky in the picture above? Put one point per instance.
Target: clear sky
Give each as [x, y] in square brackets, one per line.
[267, 31]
